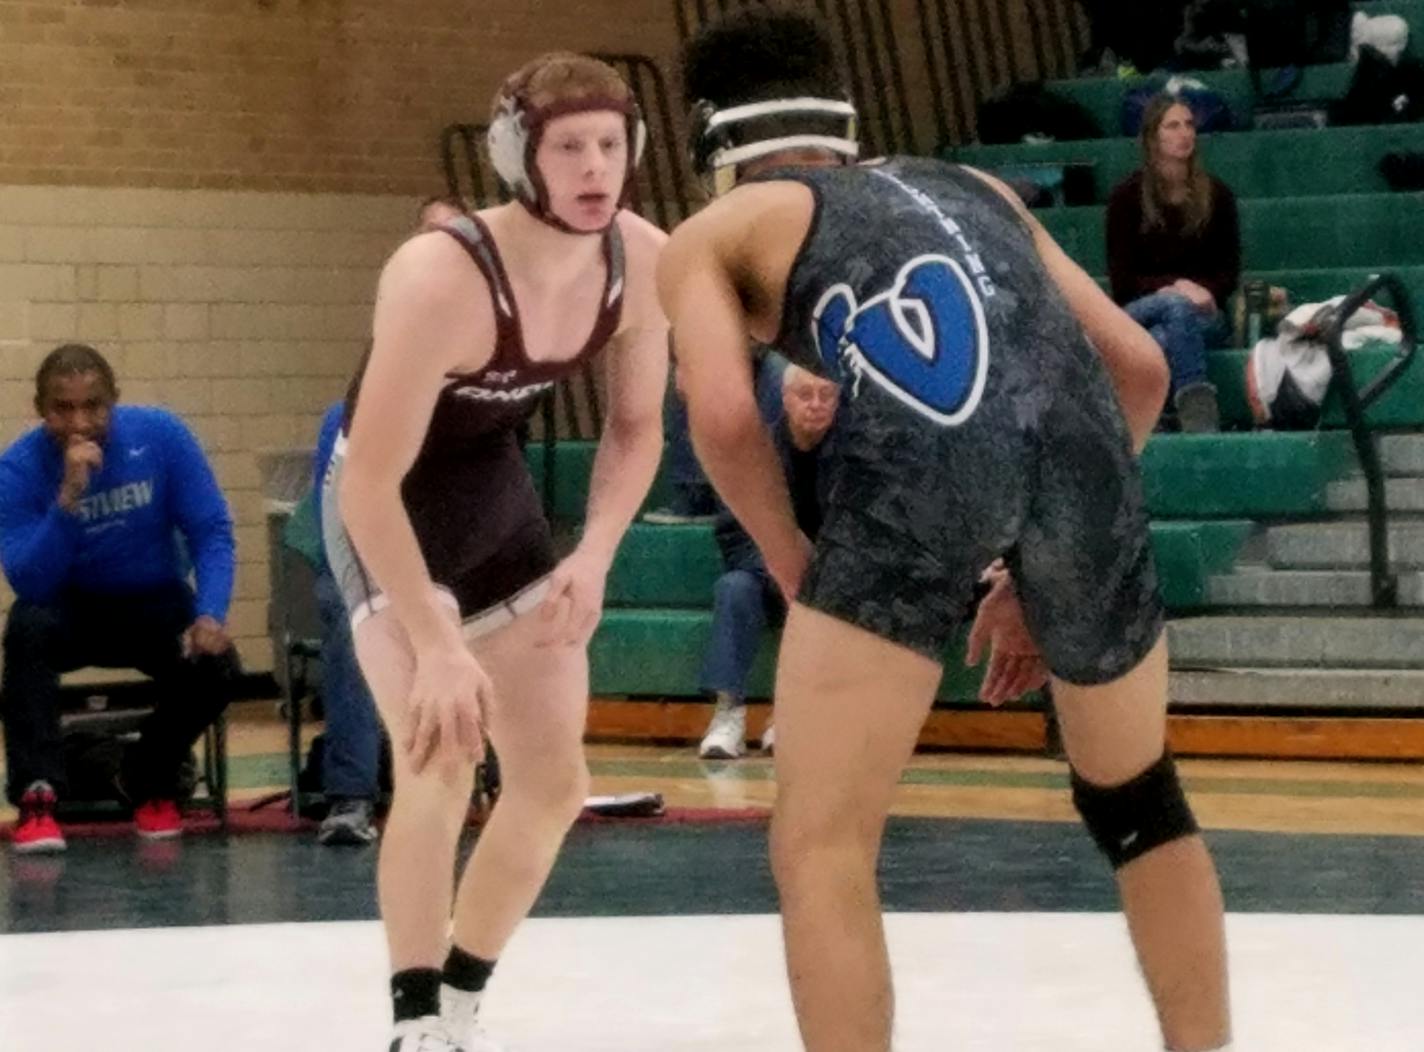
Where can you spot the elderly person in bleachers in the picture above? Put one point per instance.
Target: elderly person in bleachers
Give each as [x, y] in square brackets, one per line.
[1174, 255]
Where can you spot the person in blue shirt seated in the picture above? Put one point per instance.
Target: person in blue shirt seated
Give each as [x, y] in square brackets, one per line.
[351, 750]
[746, 598]
[92, 505]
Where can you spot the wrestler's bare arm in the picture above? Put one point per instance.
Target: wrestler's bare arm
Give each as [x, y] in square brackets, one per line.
[635, 369]
[697, 282]
[432, 317]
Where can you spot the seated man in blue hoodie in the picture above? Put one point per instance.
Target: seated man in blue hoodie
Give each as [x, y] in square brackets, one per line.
[92, 503]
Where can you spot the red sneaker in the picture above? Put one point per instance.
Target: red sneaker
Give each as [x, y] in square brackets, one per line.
[158, 820]
[37, 831]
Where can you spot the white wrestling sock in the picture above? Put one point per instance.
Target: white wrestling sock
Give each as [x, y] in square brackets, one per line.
[461, 1006]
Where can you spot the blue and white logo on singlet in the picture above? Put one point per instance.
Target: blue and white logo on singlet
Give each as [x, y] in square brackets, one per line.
[924, 340]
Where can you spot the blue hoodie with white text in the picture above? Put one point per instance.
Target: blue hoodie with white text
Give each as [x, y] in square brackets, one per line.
[155, 484]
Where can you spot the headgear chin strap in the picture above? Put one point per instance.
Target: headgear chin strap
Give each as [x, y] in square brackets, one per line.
[513, 143]
[724, 139]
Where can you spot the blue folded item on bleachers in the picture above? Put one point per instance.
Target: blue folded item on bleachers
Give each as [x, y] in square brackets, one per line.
[1209, 108]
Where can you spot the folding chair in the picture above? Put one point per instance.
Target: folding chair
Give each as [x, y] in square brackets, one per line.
[115, 706]
[295, 621]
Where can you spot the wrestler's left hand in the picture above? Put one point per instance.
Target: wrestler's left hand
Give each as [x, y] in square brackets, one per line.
[788, 564]
[1015, 664]
[571, 610]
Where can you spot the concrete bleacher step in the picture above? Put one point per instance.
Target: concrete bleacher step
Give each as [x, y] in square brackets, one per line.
[1274, 688]
[1282, 233]
[1342, 545]
[1297, 641]
[1402, 454]
[1400, 494]
[1264, 586]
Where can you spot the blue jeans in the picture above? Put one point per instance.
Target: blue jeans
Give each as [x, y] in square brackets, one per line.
[1182, 330]
[744, 602]
[353, 730]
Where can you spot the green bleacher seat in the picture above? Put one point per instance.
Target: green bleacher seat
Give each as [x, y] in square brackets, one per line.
[1402, 406]
[1259, 474]
[658, 653]
[1102, 96]
[675, 567]
[1188, 553]
[1364, 230]
[573, 466]
[655, 630]
[1254, 164]
[1317, 284]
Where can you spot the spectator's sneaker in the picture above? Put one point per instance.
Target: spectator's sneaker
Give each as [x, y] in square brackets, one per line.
[158, 820]
[36, 831]
[428, 1034]
[675, 517]
[726, 737]
[348, 824]
[1197, 410]
[768, 739]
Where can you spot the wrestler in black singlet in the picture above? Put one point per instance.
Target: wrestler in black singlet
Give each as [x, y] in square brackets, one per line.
[977, 421]
[470, 497]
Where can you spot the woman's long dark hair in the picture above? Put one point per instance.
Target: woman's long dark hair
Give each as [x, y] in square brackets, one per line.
[1196, 208]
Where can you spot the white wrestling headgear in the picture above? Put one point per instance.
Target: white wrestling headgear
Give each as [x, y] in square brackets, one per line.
[517, 126]
[723, 139]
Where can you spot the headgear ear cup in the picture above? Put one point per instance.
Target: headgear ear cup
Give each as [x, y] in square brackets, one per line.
[507, 140]
[640, 140]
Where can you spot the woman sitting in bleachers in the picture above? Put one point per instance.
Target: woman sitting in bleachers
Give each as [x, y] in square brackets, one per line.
[1174, 255]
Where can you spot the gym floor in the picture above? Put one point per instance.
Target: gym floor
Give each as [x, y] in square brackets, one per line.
[660, 934]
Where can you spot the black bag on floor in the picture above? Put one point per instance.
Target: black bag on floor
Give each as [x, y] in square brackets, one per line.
[1403, 171]
[1297, 32]
[93, 761]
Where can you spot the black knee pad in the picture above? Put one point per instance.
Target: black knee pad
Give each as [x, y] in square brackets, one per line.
[1129, 820]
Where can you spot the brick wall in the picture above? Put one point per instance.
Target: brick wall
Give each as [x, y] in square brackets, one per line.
[205, 190]
[331, 95]
[243, 312]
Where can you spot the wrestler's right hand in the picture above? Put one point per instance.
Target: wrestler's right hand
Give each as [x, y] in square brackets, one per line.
[446, 710]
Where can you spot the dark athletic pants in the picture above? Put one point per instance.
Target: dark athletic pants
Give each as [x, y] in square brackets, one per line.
[138, 630]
